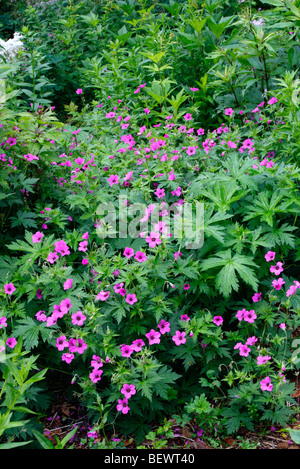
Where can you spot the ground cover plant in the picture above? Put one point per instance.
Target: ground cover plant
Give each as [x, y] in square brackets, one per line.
[149, 250]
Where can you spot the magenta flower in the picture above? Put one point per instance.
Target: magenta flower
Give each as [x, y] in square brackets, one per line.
[68, 284]
[9, 288]
[265, 384]
[41, 316]
[11, 342]
[113, 179]
[62, 248]
[218, 320]
[250, 316]
[85, 235]
[153, 337]
[240, 314]
[67, 357]
[160, 193]
[62, 342]
[78, 318]
[95, 375]
[277, 284]
[128, 390]
[244, 350]
[140, 256]
[262, 360]
[52, 257]
[251, 340]
[102, 295]
[229, 111]
[83, 246]
[96, 362]
[37, 237]
[123, 406]
[194, 89]
[164, 326]
[272, 100]
[126, 350]
[131, 298]
[79, 91]
[270, 256]
[256, 297]
[77, 345]
[186, 286]
[137, 345]
[3, 322]
[184, 317]
[187, 117]
[153, 239]
[179, 338]
[276, 269]
[128, 252]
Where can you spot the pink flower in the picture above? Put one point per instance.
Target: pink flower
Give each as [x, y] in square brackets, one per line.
[123, 406]
[52, 257]
[9, 288]
[218, 320]
[262, 360]
[186, 286]
[179, 338]
[61, 247]
[160, 193]
[140, 256]
[187, 117]
[256, 297]
[37, 237]
[240, 314]
[276, 269]
[272, 100]
[126, 350]
[184, 317]
[96, 362]
[277, 284]
[113, 179]
[270, 256]
[67, 357]
[83, 246]
[250, 316]
[164, 326]
[95, 375]
[102, 295]
[153, 239]
[85, 235]
[62, 342]
[41, 316]
[78, 318]
[128, 252]
[147, 111]
[229, 111]
[244, 350]
[265, 384]
[153, 337]
[282, 326]
[68, 284]
[3, 322]
[194, 89]
[85, 261]
[251, 340]
[131, 298]
[128, 390]
[39, 293]
[79, 91]
[77, 345]
[11, 342]
[137, 345]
